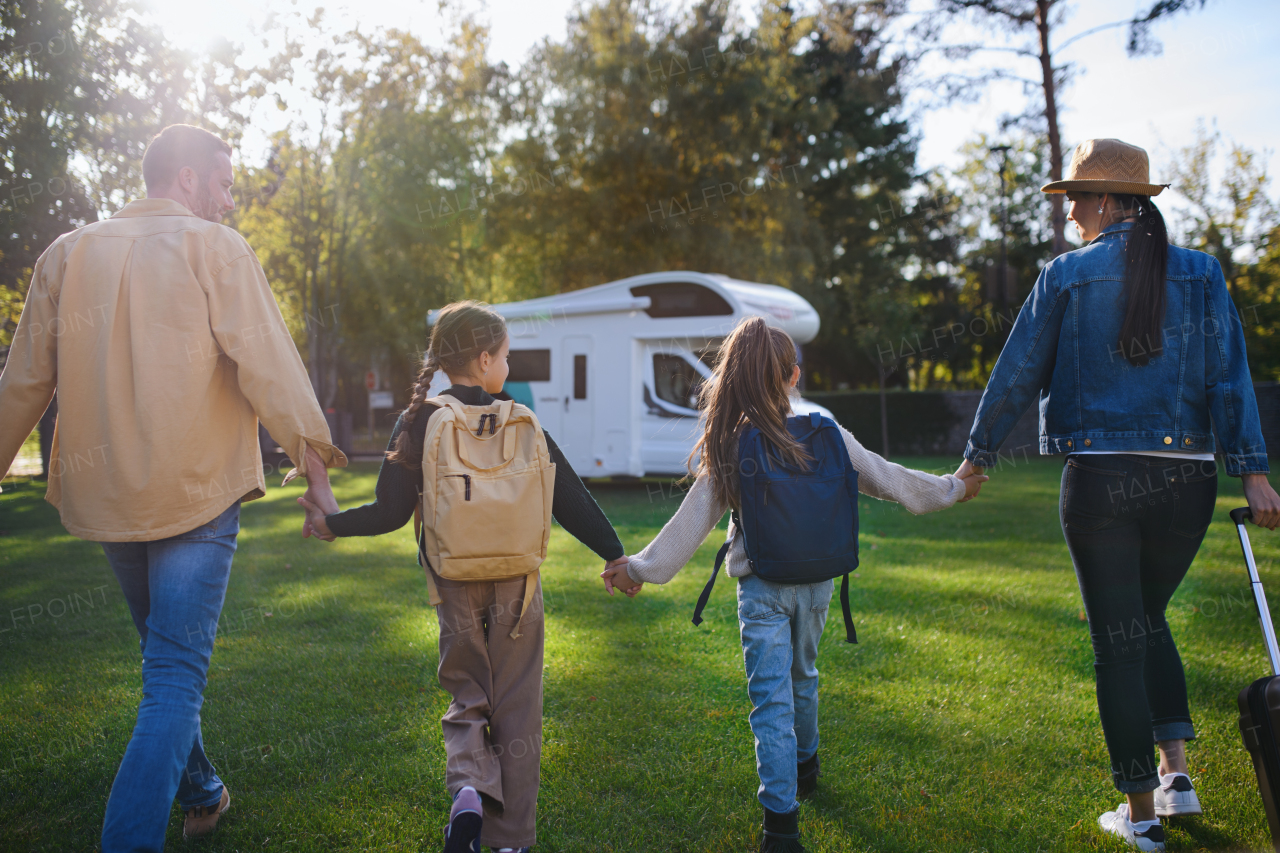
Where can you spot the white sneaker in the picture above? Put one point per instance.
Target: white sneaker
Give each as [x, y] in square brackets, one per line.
[1176, 796]
[1146, 835]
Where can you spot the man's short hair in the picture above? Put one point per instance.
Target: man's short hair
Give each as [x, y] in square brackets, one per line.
[176, 146]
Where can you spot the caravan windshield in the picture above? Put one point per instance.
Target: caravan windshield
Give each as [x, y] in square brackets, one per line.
[677, 381]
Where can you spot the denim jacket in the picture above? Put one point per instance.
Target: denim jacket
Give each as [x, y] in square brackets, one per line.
[1064, 349]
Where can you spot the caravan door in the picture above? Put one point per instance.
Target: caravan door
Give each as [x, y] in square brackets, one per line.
[673, 377]
[577, 421]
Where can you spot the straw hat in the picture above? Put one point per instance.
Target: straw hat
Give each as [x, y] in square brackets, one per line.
[1107, 166]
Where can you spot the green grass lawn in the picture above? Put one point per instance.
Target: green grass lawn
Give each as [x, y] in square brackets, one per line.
[965, 719]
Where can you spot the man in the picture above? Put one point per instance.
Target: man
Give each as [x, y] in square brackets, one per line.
[161, 335]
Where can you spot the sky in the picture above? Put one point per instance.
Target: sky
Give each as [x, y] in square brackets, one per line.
[1215, 68]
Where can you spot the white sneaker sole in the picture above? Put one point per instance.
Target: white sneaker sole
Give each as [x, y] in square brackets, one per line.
[1179, 809]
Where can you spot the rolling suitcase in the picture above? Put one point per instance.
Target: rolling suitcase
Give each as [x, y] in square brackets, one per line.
[1260, 701]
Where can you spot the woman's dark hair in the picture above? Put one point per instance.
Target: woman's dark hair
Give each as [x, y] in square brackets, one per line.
[751, 383]
[461, 332]
[1146, 262]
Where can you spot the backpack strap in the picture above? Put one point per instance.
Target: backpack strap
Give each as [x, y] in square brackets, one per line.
[530, 587]
[850, 635]
[432, 592]
[706, 590]
[720, 555]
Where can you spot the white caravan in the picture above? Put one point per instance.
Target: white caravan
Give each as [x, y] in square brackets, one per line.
[613, 371]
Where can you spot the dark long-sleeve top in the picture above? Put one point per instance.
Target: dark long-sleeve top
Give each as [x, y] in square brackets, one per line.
[396, 493]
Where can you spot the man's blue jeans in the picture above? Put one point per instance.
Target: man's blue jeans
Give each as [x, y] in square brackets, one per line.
[175, 588]
[781, 625]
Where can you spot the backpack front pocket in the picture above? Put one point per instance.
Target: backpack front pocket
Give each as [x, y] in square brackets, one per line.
[481, 516]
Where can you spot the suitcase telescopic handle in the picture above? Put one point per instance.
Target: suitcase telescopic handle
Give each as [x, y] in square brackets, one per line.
[1259, 597]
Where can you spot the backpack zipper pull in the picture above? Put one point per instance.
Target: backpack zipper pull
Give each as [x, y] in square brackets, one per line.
[766, 492]
[466, 482]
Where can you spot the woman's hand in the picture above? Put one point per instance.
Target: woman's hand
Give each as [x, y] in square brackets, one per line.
[616, 577]
[972, 477]
[315, 524]
[1264, 503]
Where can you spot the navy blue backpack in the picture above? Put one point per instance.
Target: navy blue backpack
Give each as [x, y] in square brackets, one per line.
[800, 524]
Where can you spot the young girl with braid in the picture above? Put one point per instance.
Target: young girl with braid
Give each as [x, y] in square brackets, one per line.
[493, 727]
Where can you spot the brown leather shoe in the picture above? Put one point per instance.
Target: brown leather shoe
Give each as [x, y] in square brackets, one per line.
[202, 820]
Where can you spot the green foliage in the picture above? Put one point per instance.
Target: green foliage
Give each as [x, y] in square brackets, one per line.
[83, 86]
[964, 720]
[776, 150]
[1235, 219]
[641, 143]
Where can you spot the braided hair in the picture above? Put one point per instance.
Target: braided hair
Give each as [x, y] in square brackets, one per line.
[461, 332]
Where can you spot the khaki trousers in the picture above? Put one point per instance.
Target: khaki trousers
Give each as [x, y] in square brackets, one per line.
[493, 728]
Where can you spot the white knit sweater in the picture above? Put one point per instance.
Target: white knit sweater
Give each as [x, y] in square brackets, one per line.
[698, 515]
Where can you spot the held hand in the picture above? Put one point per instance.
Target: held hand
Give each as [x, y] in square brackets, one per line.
[616, 577]
[973, 479]
[315, 524]
[1264, 503]
[321, 495]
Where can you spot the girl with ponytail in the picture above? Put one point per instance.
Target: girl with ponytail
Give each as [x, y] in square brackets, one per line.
[1135, 354]
[781, 624]
[493, 728]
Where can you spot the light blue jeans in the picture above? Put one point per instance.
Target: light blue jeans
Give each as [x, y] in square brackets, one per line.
[175, 588]
[781, 625]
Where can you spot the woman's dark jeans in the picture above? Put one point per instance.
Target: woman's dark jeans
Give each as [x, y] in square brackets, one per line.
[1133, 525]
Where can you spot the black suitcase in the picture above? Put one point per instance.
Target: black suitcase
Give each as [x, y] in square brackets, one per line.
[1260, 701]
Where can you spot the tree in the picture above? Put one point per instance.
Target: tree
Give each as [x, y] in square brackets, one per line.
[1230, 219]
[1236, 220]
[692, 143]
[78, 79]
[365, 219]
[1039, 19]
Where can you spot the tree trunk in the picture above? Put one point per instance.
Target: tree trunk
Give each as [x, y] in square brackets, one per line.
[1051, 119]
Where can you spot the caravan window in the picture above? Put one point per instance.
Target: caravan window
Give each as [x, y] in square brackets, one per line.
[579, 377]
[682, 299]
[529, 365]
[676, 381]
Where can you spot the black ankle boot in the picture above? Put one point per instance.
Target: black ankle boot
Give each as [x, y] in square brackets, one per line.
[781, 833]
[807, 773]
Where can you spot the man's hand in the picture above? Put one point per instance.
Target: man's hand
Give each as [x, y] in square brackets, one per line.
[973, 479]
[1264, 503]
[318, 500]
[616, 577]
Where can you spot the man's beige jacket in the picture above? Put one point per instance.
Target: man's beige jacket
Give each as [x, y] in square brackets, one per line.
[161, 335]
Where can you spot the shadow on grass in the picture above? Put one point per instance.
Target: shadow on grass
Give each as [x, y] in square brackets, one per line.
[965, 719]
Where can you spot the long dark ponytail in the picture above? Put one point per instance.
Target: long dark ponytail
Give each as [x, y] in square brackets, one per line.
[751, 383]
[1146, 264]
[461, 332]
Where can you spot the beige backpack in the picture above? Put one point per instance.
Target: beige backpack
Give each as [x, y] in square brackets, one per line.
[487, 484]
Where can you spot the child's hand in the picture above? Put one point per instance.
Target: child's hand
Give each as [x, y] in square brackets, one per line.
[972, 485]
[972, 477]
[315, 524]
[616, 577]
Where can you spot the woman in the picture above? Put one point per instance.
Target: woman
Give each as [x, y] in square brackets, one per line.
[493, 728]
[1136, 355]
